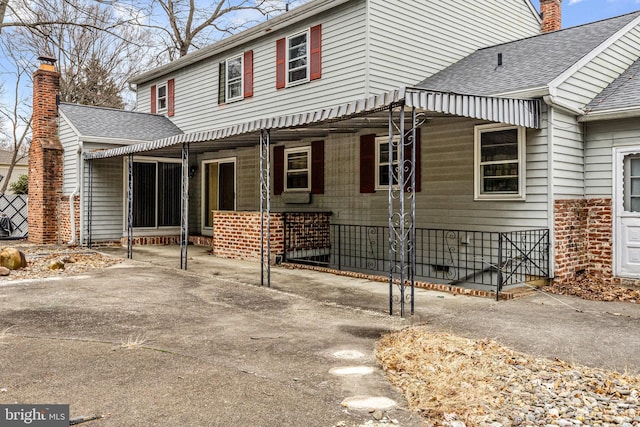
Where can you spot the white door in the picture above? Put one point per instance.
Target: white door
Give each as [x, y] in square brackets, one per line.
[627, 212]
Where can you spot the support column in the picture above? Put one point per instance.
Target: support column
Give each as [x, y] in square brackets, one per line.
[402, 208]
[89, 201]
[184, 208]
[130, 190]
[265, 207]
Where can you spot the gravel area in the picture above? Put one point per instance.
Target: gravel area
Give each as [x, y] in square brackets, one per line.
[459, 382]
[73, 260]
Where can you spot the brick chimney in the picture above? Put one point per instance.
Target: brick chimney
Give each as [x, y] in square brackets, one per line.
[551, 11]
[45, 156]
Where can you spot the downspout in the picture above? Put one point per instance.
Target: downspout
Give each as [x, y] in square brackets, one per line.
[72, 197]
[552, 104]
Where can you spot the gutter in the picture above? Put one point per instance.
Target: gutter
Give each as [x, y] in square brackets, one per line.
[618, 113]
[551, 101]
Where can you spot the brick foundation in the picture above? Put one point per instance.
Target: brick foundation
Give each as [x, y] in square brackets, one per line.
[64, 227]
[583, 239]
[236, 235]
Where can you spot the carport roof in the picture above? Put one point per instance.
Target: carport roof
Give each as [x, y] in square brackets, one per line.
[349, 117]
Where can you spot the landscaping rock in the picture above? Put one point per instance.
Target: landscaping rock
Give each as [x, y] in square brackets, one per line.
[56, 264]
[4, 271]
[12, 258]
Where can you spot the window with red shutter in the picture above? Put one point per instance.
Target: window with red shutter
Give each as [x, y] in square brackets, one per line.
[317, 167]
[315, 60]
[248, 74]
[171, 97]
[153, 99]
[368, 163]
[281, 63]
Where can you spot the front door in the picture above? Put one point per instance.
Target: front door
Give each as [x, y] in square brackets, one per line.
[627, 212]
[218, 189]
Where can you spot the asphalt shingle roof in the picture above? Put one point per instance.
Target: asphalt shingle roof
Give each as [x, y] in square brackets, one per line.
[118, 124]
[622, 92]
[527, 63]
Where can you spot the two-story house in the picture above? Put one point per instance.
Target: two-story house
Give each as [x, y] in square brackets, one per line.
[473, 166]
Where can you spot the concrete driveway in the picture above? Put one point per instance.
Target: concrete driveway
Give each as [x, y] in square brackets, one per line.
[152, 345]
[156, 346]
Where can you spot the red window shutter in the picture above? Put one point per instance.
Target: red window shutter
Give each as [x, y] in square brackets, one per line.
[170, 97]
[248, 73]
[368, 163]
[317, 167]
[278, 169]
[417, 165]
[153, 99]
[315, 60]
[281, 63]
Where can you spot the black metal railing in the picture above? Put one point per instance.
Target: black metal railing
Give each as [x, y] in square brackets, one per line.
[13, 216]
[456, 257]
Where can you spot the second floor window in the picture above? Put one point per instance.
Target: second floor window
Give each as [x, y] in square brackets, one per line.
[162, 98]
[234, 78]
[297, 58]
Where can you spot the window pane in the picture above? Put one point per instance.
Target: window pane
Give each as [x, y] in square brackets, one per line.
[297, 161]
[169, 193]
[384, 154]
[297, 75]
[162, 91]
[298, 46]
[298, 180]
[500, 185]
[235, 90]
[499, 145]
[144, 194]
[383, 174]
[635, 204]
[635, 186]
[635, 167]
[234, 68]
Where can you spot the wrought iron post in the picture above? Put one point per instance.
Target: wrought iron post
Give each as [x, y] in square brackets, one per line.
[402, 147]
[184, 208]
[130, 207]
[89, 202]
[265, 207]
[500, 259]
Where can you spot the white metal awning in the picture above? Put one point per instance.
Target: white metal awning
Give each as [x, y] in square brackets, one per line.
[518, 112]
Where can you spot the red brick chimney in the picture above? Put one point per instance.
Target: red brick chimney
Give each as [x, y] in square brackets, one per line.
[45, 156]
[551, 11]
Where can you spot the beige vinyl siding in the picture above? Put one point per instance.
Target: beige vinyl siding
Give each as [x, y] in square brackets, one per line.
[579, 89]
[568, 156]
[108, 199]
[447, 196]
[601, 137]
[411, 40]
[343, 77]
[69, 141]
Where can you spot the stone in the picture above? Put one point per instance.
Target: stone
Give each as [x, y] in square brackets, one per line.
[4, 271]
[12, 258]
[56, 265]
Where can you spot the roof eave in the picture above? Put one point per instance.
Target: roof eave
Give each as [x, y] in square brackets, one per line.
[282, 21]
[532, 92]
[612, 114]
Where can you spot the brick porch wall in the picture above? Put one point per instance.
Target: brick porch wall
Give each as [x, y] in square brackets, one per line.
[583, 239]
[64, 227]
[236, 235]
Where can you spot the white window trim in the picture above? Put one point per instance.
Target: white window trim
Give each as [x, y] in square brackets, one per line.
[288, 151]
[379, 141]
[307, 79]
[228, 98]
[166, 98]
[522, 164]
[145, 231]
[203, 228]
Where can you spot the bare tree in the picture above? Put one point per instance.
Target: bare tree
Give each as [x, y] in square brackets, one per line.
[15, 126]
[192, 25]
[96, 56]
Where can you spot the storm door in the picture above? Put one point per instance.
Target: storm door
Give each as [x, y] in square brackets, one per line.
[218, 188]
[627, 212]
